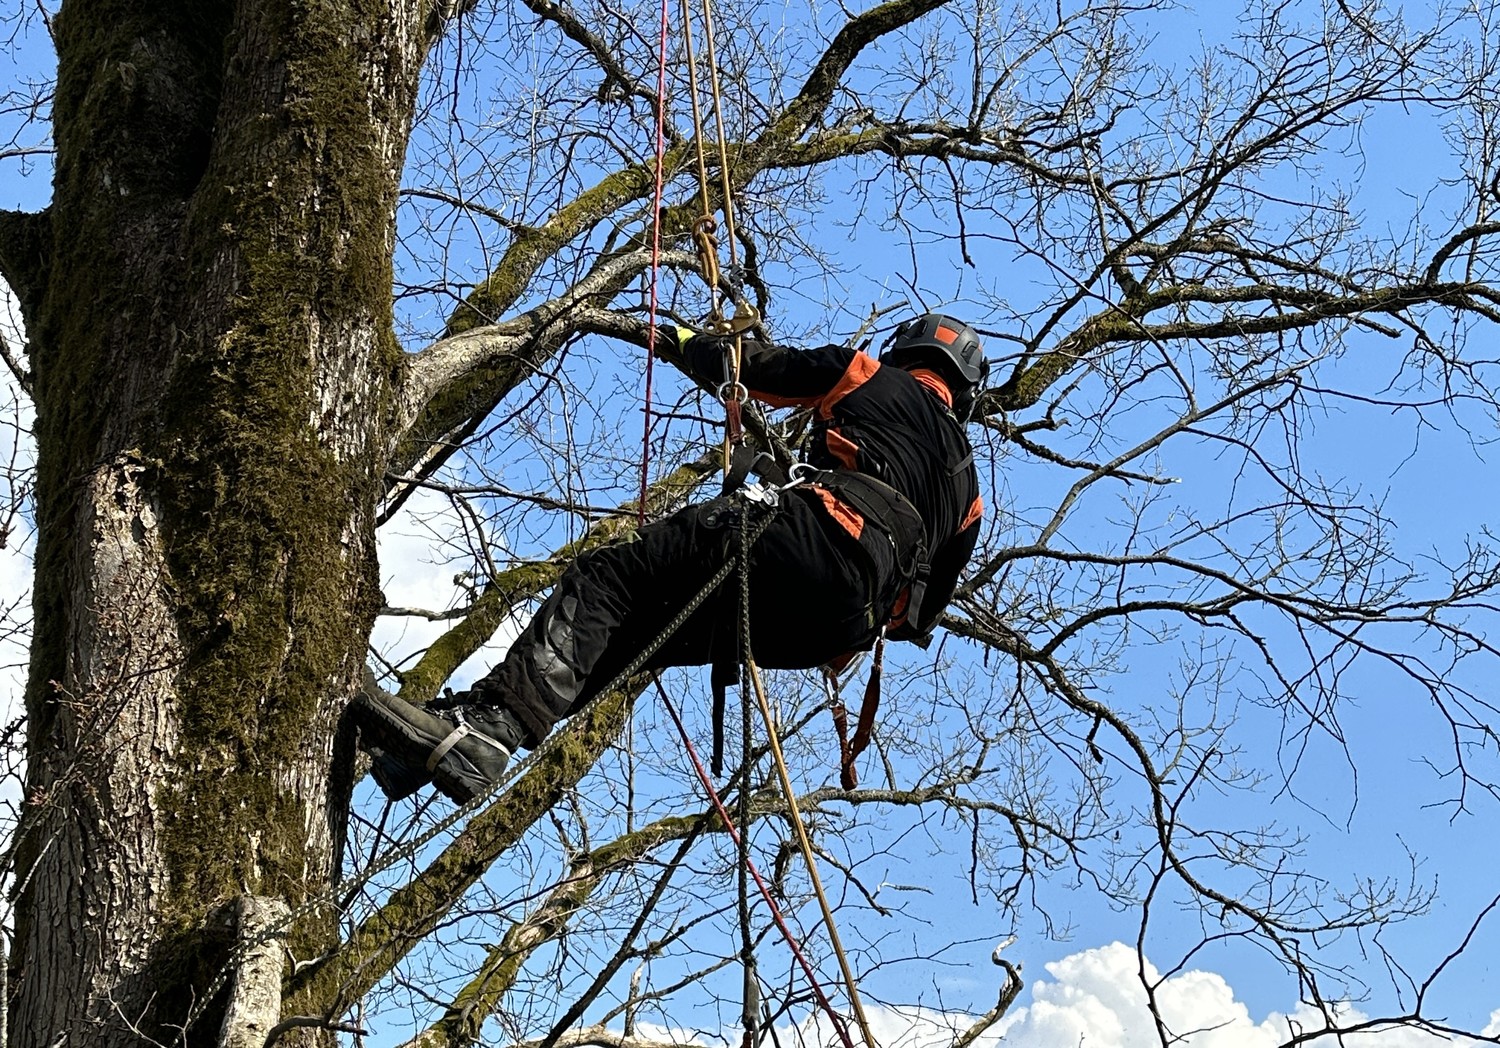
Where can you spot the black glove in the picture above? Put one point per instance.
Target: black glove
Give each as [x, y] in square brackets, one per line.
[672, 340]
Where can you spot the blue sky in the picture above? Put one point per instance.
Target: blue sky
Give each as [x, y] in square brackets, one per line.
[1435, 484]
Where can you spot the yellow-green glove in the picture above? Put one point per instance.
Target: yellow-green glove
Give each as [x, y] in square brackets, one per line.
[671, 341]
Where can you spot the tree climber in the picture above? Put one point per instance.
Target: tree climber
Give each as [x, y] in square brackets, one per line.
[874, 539]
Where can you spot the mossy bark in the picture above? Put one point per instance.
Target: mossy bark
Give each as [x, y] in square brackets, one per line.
[213, 364]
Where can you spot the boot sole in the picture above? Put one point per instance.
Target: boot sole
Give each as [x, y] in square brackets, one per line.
[396, 779]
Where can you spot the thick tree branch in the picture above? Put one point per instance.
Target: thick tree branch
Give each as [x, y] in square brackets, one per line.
[16, 366]
[1277, 309]
[411, 913]
[533, 246]
[255, 988]
[23, 256]
[1458, 240]
[1010, 989]
[817, 90]
[603, 1037]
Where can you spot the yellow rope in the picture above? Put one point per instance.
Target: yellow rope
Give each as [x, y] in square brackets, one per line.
[713, 83]
[807, 854]
[708, 255]
[705, 227]
[692, 60]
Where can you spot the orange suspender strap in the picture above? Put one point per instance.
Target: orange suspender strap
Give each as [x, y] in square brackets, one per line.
[851, 749]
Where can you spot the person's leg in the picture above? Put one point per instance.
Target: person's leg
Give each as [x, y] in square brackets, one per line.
[814, 595]
[609, 604]
[607, 608]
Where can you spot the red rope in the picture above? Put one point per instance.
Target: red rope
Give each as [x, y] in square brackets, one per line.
[661, 148]
[765, 892]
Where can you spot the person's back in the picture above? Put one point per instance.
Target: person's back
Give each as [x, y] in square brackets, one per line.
[899, 419]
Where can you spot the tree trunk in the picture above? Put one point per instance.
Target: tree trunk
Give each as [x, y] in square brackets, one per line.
[213, 359]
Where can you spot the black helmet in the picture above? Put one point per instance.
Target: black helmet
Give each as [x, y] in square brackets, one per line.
[949, 347]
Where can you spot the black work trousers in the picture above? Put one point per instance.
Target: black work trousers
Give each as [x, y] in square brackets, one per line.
[816, 592]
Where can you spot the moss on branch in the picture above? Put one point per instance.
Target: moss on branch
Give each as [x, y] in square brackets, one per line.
[532, 247]
[411, 913]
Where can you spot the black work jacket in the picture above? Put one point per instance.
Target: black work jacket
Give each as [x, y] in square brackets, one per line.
[878, 420]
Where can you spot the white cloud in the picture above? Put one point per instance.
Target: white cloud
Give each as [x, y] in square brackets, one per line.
[416, 573]
[1094, 999]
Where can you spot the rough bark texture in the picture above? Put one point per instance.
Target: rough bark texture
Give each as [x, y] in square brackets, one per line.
[213, 360]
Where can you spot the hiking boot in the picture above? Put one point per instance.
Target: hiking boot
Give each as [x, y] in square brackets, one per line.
[465, 750]
[396, 779]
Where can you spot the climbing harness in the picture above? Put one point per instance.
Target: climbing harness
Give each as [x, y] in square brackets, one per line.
[890, 513]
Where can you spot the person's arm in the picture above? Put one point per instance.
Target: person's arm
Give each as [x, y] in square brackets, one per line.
[775, 375]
